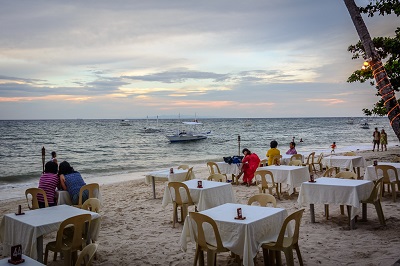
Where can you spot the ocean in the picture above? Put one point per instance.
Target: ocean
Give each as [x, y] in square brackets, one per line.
[110, 148]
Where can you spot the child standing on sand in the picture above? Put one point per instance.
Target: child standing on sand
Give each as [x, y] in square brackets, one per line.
[333, 146]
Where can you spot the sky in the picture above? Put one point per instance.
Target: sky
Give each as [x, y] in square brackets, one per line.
[212, 58]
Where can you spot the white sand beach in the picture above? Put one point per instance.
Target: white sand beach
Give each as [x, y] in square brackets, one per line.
[136, 230]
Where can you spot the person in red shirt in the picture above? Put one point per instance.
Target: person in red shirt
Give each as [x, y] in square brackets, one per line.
[249, 166]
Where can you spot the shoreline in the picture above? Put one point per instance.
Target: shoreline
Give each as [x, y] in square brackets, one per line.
[15, 191]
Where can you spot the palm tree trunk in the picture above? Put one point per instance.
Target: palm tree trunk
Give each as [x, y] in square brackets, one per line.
[384, 86]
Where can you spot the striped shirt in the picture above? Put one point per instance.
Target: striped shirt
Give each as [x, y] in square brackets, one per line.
[48, 182]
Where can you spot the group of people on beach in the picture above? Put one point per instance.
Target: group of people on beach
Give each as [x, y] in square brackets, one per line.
[60, 177]
[251, 161]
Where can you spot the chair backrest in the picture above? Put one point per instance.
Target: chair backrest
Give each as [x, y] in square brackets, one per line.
[297, 157]
[350, 153]
[86, 256]
[263, 162]
[296, 217]
[276, 159]
[93, 189]
[295, 162]
[263, 174]
[176, 196]
[183, 166]
[320, 157]
[189, 174]
[91, 204]
[216, 177]
[213, 168]
[346, 175]
[329, 172]
[33, 192]
[263, 200]
[310, 158]
[80, 224]
[376, 193]
[201, 219]
[396, 159]
[385, 172]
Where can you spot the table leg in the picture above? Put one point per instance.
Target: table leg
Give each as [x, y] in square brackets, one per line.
[153, 183]
[364, 212]
[352, 222]
[358, 173]
[312, 213]
[39, 248]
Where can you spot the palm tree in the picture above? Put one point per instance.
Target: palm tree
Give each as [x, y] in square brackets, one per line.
[385, 88]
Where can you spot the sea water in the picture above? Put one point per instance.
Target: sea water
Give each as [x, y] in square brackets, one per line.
[110, 148]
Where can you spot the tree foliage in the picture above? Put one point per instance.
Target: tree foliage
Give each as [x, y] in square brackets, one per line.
[388, 49]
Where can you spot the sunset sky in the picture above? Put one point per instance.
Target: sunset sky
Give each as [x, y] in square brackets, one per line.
[213, 58]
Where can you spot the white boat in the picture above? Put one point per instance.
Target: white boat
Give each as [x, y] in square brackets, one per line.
[148, 129]
[192, 134]
[350, 121]
[364, 124]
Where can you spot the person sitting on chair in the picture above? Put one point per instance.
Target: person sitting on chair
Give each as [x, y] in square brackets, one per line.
[249, 166]
[49, 181]
[72, 182]
[272, 152]
[292, 148]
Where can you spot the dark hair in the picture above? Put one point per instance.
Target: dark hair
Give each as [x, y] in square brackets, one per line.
[65, 168]
[274, 144]
[292, 143]
[51, 167]
[53, 154]
[247, 150]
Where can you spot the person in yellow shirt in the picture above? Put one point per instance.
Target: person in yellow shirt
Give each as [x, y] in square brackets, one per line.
[272, 152]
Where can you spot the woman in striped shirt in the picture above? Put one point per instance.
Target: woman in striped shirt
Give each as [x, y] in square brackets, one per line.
[49, 181]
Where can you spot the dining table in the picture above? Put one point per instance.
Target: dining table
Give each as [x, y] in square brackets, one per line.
[27, 262]
[63, 197]
[370, 173]
[211, 194]
[325, 190]
[348, 162]
[242, 237]
[164, 176]
[290, 177]
[28, 229]
[229, 169]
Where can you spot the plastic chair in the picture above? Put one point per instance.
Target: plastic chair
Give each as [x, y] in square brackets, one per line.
[262, 163]
[179, 201]
[189, 174]
[183, 167]
[86, 256]
[396, 159]
[309, 162]
[264, 184]
[276, 159]
[216, 177]
[201, 242]
[91, 204]
[93, 189]
[297, 157]
[69, 246]
[295, 163]
[285, 244]
[375, 198]
[318, 162]
[33, 192]
[329, 172]
[262, 199]
[350, 153]
[213, 168]
[346, 175]
[386, 178]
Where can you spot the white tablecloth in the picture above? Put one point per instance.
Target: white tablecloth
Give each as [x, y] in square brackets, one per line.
[242, 237]
[289, 176]
[211, 195]
[336, 191]
[370, 173]
[345, 161]
[63, 197]
[229, 169]
[28, 262]
[164, 175]
[26, 229]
